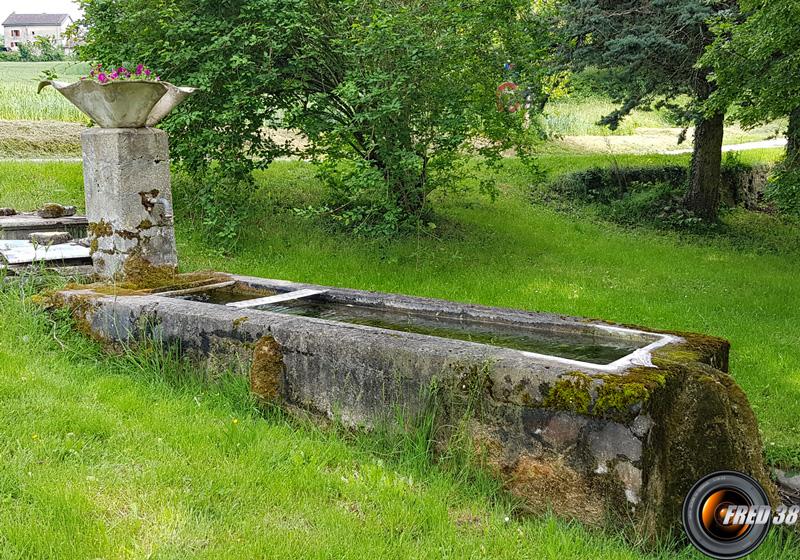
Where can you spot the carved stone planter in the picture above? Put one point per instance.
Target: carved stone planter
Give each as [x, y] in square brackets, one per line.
[124, 104]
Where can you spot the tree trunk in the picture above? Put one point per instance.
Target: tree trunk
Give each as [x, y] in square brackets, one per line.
[793, 140]
[705, 178]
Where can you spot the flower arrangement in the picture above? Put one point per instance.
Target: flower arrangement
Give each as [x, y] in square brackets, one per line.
[105, 76]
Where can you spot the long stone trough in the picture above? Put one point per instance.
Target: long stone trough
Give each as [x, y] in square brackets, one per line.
[605, 423]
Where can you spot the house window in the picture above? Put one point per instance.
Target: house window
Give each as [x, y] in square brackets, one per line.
[15, 32]
[13, 45]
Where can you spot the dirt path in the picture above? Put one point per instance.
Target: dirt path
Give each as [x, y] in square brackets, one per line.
[42, 141]
[773, 143]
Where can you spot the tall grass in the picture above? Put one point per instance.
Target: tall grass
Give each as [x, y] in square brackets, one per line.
[571, 116]
[18, 98]
[19, 102]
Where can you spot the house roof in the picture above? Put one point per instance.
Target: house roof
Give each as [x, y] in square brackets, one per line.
[35, 19]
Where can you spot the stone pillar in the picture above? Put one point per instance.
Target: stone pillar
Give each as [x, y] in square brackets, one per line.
[128, 200]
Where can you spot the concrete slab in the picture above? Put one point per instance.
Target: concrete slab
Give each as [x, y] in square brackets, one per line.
[20, 226]
[19, 252]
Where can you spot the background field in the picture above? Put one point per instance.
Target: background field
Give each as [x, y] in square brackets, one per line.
[571, 121]
[18, 99]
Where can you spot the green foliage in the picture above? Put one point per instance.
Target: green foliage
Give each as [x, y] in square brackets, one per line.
[651, 195]
[43, 49]
[46, 50]
[607, 184]
[25, 51]
[216, 203]
[642, 53]
[783, 190]
[755, 62]
[654, 204]
[9, 56]
[391, 96]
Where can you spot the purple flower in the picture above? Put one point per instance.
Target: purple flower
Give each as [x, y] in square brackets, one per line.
[139, 68]
[102, 78]
[147, 72]
[114, 75]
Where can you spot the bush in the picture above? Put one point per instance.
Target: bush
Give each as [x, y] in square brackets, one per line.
[392, 96]
[216, 204]
[653, 195]
[9, 56]
[783, 190]
[605, 185]
[654, 204]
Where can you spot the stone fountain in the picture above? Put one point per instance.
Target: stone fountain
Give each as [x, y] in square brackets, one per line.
[126, 172]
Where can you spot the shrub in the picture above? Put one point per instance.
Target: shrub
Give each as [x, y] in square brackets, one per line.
[607, 184]
[392, 96]
[216, 203]
[783, 190]
[654, 204]
[653, 195]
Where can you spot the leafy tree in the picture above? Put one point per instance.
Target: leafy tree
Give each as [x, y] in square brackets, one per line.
[46, 50]
[392, 96]
[648, 52]
[25, 52]
[757, 67]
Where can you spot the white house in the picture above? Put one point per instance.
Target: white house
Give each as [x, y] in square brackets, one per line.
[25, 28]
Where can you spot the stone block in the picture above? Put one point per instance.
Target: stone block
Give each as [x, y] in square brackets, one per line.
[50, 237]
[128, 198]
[606, 447]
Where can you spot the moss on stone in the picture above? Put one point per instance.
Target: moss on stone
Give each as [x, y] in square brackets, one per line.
[619, 395]
[702, 423]
[697, 348]
[125, 234]
[266, 372]
[52, 210]
[100, 229]
[142, 273]
[572, 394]
[613, 396]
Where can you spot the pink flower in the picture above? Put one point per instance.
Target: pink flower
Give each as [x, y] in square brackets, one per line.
[102, 78]
[147, 72]
[139, 68]
[114, 75]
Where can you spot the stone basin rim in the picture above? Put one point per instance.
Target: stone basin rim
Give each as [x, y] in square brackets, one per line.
[640, 357]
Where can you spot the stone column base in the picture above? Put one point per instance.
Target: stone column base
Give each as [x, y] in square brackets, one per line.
[128, 200]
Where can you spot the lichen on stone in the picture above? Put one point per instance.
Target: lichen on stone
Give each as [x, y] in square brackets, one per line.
[266, 372]
[100, 229]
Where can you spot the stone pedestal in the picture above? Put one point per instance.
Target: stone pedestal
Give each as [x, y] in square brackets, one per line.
[128, 199]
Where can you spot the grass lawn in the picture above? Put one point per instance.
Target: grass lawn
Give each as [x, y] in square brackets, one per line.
[113, 461]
